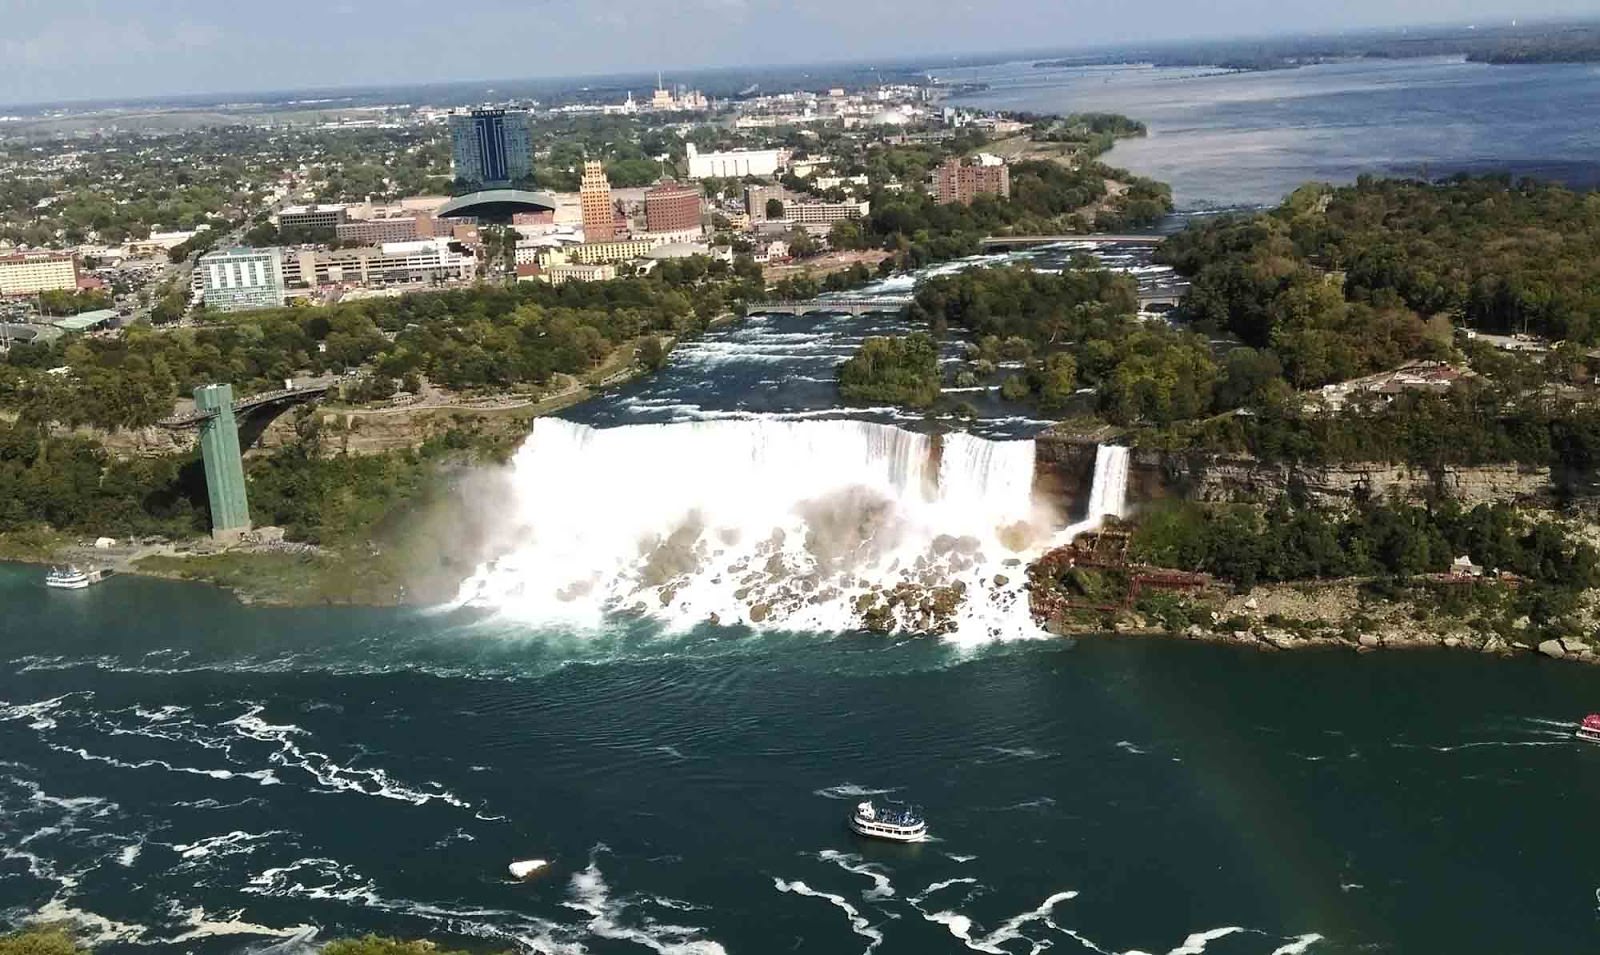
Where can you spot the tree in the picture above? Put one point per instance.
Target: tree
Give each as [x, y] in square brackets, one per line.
[774, 209]
[802, 244]
[652, 354]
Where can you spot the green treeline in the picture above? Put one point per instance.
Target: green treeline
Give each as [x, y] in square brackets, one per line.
[1471, 425]
[1247, 544]
[1341, 282]
[73, 484]
[899, 369]
[484, 337]
[1076, 329]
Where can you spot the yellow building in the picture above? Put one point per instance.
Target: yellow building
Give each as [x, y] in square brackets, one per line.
[622, 250]
[29, 273]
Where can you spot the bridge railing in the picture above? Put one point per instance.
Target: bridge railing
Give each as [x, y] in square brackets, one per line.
[245, 404]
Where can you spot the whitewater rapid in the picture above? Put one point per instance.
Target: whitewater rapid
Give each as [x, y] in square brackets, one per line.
[796, 525]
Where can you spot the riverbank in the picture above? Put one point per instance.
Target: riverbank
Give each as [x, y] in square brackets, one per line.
[1328, 615]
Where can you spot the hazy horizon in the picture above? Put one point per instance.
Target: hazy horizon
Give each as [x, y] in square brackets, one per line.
[150, 49]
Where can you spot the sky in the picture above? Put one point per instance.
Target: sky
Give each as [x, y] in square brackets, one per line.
[54, 50]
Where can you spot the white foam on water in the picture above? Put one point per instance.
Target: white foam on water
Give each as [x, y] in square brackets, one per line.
[1196, 943]
[91, 928]
[882, 888]
[850, 791]
[938, 886]
[592, 896]
[237, 842]
[822, 526]
[525, 868]
[961, 926]
[199, 924]
[1298, 946]
[367, 782]
[264, 777]
[858, 923]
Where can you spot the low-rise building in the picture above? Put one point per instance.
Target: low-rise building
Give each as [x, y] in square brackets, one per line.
[379, 231]
[736, 163]
[317, 218]
[822, 215]
[420, 262]
[232, 280]
[621, 250]
[578, 272]
[29, 273]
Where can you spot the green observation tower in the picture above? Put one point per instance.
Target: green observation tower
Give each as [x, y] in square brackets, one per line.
[219, 446]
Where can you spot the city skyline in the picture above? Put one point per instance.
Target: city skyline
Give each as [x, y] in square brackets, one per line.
[161, 48]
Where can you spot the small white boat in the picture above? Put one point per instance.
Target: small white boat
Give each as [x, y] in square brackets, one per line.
[1589, 729]
[894, 823]
[67, 578]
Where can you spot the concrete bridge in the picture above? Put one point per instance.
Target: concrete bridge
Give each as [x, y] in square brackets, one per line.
[888, 304]
[1022, 241]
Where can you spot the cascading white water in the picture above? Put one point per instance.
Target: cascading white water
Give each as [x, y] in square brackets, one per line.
[1108, 492]
[824, 525]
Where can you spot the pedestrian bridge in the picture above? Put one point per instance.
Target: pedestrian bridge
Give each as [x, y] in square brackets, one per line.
[1021, 241]
[887, 304]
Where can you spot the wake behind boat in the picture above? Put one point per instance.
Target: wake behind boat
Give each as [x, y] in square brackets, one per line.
[894, 823]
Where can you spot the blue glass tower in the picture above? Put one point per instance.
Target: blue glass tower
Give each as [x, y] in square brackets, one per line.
[491, 147]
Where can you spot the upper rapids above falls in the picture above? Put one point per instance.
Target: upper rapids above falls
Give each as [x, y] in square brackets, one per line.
[820, 525]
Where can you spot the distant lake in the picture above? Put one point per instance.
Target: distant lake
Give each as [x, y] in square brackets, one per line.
[1246, 139]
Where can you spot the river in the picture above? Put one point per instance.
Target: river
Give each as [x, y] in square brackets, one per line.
[183, 767]
[1229, 139]
[179, 772]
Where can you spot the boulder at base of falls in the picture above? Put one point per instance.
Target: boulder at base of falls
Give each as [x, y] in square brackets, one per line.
[1553, 649]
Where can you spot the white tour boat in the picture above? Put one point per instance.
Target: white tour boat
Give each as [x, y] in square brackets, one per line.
[1589, 729]
[894, 823]
[67, 578]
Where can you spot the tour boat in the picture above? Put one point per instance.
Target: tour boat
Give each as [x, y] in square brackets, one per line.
[67, 578]
[1589, 729]
[894, 823]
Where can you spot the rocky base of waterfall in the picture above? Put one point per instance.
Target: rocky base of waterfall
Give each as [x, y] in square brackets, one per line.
[1326, 615]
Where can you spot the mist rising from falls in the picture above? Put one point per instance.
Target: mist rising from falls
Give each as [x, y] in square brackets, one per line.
[822, 525]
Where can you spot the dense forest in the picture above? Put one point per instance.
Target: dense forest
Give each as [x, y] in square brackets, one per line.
[1282, 542]
[1076, 329]
[1341, 282]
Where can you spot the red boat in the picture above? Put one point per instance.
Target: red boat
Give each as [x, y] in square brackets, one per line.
[1589, 729]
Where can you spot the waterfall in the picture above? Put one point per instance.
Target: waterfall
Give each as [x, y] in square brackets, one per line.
[802, 525]
[1108, 491]
[795, 525]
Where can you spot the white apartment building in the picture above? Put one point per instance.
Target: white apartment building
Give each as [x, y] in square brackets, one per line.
[235, 279]
[736, 163]
[28, 273]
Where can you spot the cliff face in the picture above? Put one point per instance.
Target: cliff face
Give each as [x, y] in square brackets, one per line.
[1064, 469]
